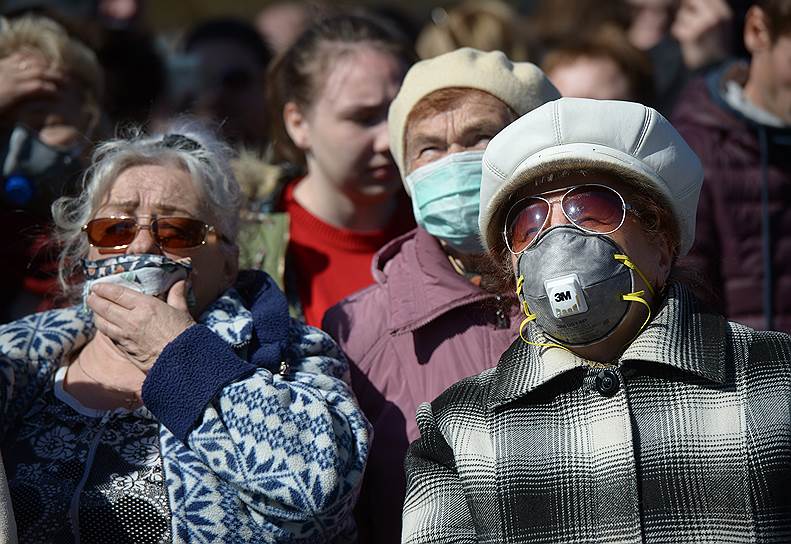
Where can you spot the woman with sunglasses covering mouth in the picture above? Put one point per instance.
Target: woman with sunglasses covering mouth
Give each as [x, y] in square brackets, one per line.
[625, 410]
[178, 394]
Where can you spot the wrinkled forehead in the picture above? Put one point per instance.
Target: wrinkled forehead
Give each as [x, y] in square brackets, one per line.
[478, 106]
[151, 189]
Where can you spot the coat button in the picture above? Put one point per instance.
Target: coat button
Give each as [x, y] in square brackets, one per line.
[607, 383]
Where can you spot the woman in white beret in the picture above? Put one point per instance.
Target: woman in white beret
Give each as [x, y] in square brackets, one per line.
[625, 411]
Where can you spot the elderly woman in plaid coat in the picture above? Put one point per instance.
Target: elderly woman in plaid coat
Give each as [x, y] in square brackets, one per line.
[626, 411]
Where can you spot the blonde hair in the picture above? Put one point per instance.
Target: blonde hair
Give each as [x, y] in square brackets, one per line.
[488, 25]
[49, 39]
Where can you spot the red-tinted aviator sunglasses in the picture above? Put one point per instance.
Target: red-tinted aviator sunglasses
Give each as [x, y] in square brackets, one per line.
[169, 233]
[594, 208]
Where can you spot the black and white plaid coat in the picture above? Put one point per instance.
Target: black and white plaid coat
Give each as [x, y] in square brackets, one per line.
[687, 439]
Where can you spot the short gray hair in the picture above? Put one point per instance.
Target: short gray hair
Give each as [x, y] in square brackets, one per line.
[184, 142]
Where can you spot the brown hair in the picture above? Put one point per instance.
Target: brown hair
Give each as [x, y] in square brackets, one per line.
[778, 16]
[553, 22]
[298, 74]
[609, 42]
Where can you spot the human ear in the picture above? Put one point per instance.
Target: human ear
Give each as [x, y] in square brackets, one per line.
[667, 258]
[756, 31]
[297, 125]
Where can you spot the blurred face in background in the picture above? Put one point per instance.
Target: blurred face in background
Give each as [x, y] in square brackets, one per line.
[60, 119]
[651, 20]
[231, 90]
[777, 95]
[343, 133]
[120, 13]
[591, 77]
[50, 85]
[769, 82]
[281, 23]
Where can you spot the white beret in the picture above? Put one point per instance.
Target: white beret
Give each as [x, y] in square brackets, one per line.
[630, 140]
[520, 85]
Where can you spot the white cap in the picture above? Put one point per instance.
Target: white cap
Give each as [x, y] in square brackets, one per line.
[522, 86]
[630, 140]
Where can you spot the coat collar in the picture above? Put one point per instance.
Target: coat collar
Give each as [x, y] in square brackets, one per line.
[420, 281]
[685, 336]
[681, 335]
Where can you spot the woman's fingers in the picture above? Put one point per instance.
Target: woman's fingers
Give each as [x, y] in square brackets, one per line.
[122, 296]
[139, 325]
[108, 328]
[177, 296]
[24, 74]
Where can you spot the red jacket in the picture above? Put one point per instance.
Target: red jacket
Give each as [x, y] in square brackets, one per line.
[419, 329]
[736, 234]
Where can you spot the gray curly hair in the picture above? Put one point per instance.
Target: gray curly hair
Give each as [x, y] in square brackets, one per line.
[185, 142]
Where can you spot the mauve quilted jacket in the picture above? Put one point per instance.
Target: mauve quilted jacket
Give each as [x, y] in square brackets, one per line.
[420, 328]
[740, 157]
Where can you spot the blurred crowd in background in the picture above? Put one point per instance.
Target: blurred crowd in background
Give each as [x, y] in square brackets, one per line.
[104, 65]
[642, 50]
[302, 91]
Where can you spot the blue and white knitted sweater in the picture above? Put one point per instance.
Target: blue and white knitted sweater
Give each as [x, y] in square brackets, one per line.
[249, 454]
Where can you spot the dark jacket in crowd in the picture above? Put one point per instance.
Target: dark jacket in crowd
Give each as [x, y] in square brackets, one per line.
[743, 237]
[420, 328]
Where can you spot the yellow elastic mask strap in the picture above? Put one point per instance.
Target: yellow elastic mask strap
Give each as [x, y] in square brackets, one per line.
[530, 317]
[637, 296]
[629, 264]
[520, 281]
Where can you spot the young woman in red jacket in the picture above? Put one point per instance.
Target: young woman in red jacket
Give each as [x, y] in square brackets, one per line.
[330, 93]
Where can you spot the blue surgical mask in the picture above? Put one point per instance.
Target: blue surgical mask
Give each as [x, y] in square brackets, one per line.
[446, 198]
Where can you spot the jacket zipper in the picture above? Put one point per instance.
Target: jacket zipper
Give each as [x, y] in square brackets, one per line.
[502, 319]
[74, 509]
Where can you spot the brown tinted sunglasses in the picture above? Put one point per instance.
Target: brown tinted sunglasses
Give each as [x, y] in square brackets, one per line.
[169, 233]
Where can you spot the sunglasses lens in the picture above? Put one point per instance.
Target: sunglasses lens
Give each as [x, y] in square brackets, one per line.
[594, 208]
[526, 223]
[178, 232]
[111, 232]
